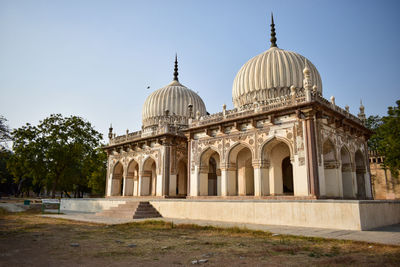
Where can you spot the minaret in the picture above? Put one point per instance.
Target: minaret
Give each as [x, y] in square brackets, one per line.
[273, 34]
[110, 132]
[176, 69]
[361, 115]
[307, 81]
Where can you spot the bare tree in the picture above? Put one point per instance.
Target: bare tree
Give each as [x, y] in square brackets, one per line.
[4, 132]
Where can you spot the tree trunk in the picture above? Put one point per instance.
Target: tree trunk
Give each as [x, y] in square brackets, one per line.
[53, 195]
[19, 187]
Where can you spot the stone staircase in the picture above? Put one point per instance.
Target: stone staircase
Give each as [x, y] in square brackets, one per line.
[131, 210]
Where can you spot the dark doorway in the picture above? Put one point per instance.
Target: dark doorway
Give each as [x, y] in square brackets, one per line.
[287, 176]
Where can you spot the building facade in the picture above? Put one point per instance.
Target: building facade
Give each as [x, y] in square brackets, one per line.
[385, 186]
[283, 139]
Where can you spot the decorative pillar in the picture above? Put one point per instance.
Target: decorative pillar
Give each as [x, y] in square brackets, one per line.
[166, 167]
[218, 182]
[194, 180]
[109, 185]
[311, 144]
[123, 184]
[224, 182]
[261, 181]
[140, 189]
[228, 180]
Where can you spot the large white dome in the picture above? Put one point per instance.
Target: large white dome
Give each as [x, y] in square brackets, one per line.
[271, 74]
[175, 98]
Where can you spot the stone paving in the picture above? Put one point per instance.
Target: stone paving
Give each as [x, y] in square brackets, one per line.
[389, 235]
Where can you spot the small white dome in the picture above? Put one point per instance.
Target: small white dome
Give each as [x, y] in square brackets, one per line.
[175, 98]
[271, 74]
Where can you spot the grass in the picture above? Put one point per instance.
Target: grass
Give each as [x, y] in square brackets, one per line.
[46, 241]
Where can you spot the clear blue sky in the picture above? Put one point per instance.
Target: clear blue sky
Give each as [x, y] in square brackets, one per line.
[95, 59]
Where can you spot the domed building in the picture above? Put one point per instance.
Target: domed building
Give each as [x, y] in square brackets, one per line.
[282, 140]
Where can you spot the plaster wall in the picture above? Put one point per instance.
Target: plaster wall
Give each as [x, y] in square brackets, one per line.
[346, 215]
[300, 180]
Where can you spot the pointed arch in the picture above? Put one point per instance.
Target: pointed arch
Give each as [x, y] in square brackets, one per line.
[132, 177]
[231, 154]
[210, 173]
[277, 153]
[148, 181]
[240, 158]
[333, 183]
[206, 154]
[117, 179]
[271, 142]
[181, 177]
[346, 169]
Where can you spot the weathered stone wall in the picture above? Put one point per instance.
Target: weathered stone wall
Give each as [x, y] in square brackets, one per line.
[384, 185]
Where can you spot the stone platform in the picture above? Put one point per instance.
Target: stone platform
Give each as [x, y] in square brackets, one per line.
[332, 214]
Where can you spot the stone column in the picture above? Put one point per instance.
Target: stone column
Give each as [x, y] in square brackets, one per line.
[218, 182]
[194, 182]
[311, 145]
[109, 185]
[136, 185]
[261, 179]
[224, 182]
[228, 180]
[166, 167]
[140, 181]
[123, 184]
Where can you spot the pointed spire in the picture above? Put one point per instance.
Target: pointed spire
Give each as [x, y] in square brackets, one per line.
[361, 115]
[110, 132]
[273, 34]
[176, 68]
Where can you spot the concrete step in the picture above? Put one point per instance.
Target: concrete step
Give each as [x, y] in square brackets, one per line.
[131, 209]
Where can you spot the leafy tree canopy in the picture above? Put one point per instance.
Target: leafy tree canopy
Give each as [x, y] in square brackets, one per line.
[60, 153]
[386, 139]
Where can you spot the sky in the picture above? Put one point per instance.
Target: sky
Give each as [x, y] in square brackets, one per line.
[95, 59]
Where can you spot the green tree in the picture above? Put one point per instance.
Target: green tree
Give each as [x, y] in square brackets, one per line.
[7, 185]
[98, 164]
[373, 123]
[55, 153]
[389, 143]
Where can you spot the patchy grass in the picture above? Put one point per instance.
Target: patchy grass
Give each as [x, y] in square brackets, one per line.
[47, 241]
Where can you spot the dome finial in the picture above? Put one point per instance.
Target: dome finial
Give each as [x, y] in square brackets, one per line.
[273, 34]
[176, 68]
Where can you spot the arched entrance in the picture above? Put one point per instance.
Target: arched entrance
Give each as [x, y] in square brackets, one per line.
[210, 177]
[244, 173]
[280, 174]
[117, 183]
[360, 175]
[332, 188]
[181, 178]
[240, 163]
[347, 177]
[132, 177]
[149, 178]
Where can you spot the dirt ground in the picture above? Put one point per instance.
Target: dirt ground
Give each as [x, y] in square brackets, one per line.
[27, 239]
